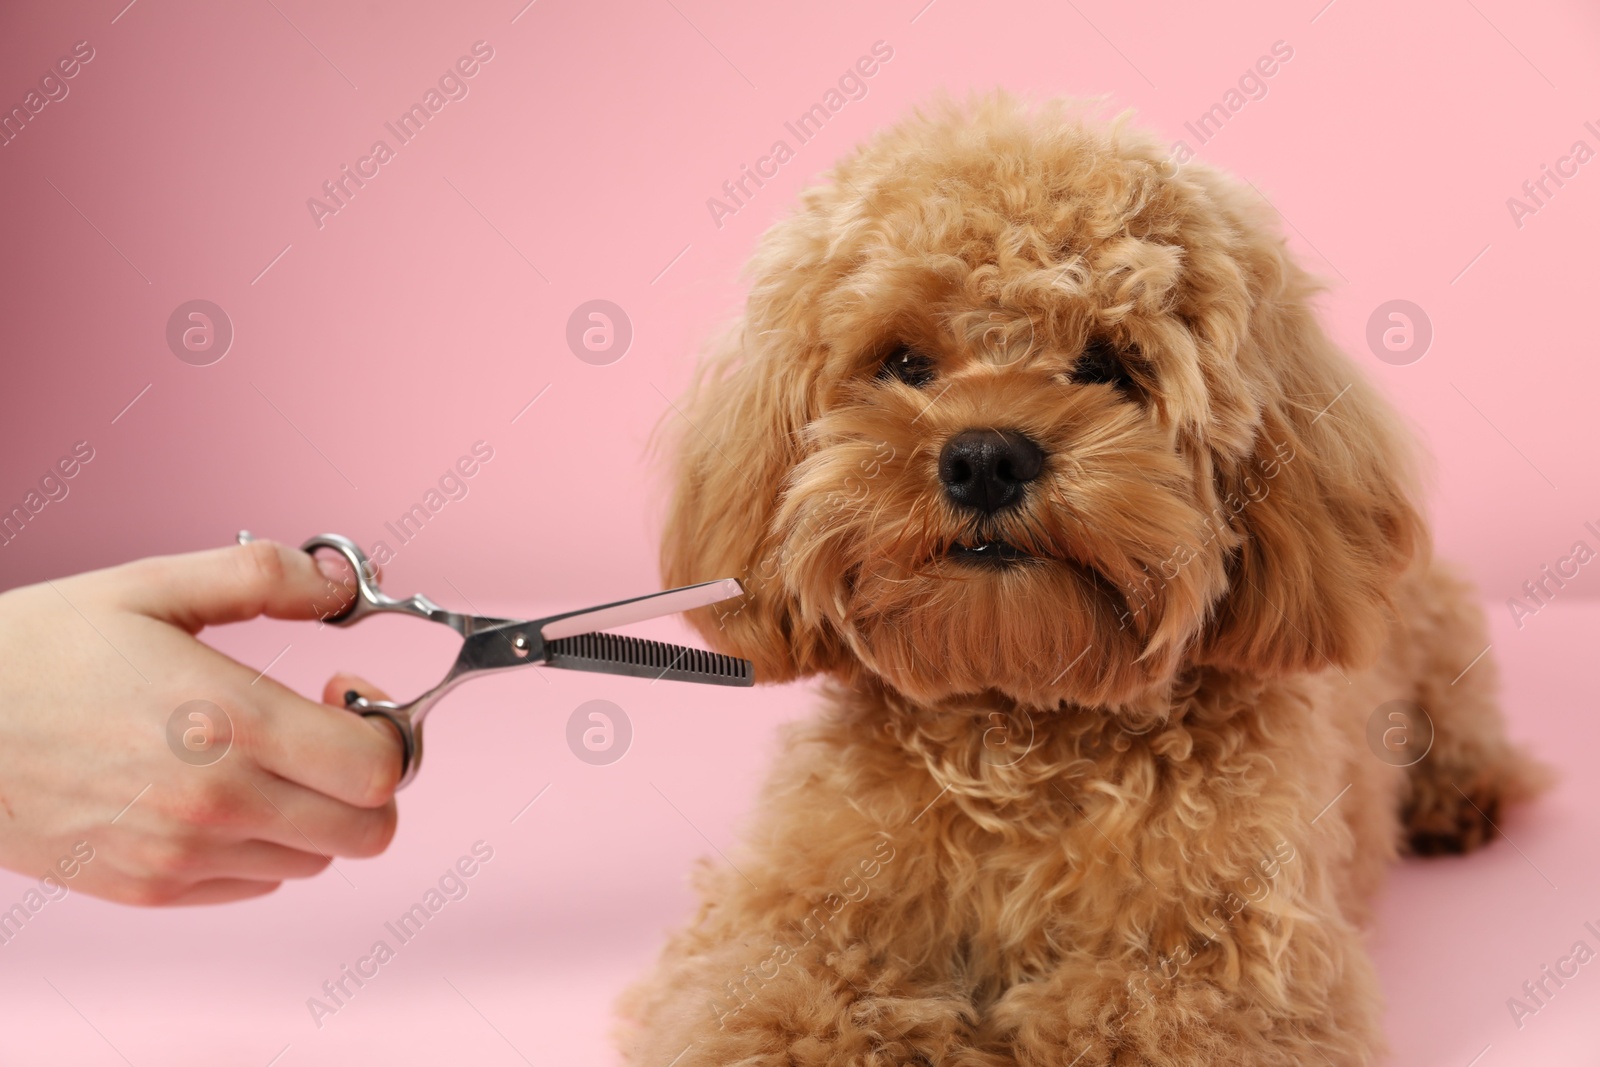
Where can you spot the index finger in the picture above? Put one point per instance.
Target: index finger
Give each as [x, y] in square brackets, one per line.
[223, 585]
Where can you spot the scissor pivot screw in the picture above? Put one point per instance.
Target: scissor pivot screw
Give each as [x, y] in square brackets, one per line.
[519, 645]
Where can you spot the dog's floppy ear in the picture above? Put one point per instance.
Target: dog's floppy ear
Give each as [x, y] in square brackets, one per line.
[1324, 504]
[738, 438]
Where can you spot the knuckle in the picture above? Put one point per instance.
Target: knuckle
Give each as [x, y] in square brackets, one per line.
[211, 803]
[167, 860]
[253, 725]
[152, 892]
[262, 566]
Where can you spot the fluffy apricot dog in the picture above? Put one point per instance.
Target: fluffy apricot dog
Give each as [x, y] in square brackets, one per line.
[1030, 442]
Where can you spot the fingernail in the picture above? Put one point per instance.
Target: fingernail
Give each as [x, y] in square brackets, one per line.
[332, 568]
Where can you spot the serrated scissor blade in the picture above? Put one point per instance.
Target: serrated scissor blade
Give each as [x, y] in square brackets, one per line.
[640, 658]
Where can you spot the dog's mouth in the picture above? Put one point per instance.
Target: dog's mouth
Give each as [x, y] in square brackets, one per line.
[987, 554]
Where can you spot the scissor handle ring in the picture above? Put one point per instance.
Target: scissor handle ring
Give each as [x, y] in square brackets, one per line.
[369, 598]
[400, 719]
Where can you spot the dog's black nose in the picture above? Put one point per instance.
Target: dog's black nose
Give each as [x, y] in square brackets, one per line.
[986, 469]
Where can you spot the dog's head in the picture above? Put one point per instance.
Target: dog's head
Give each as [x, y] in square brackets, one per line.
[1017, 405]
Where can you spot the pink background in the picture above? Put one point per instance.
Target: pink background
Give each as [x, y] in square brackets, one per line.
[428, 312]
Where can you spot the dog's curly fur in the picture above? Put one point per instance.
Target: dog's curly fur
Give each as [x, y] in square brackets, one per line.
[1112, 802]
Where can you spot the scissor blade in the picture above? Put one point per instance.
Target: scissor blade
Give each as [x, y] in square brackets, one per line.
[635, 656]
[639, 608]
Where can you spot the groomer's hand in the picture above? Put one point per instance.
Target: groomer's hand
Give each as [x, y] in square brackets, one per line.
[140, 765]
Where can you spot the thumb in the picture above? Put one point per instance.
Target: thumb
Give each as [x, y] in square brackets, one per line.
[224, 585]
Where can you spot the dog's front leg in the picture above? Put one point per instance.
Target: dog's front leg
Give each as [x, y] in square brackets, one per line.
[1283, 982]
[813, 988]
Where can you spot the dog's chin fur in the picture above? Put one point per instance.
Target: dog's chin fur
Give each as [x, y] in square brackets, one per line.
[1180, 629]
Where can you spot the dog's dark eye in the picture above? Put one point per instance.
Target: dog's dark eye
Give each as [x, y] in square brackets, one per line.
[908, 365]
[1102, 364]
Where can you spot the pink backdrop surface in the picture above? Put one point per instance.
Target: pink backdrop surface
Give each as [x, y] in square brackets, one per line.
[374, 345]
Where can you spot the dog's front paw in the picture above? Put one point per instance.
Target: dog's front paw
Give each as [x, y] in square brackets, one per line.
[1452, 812]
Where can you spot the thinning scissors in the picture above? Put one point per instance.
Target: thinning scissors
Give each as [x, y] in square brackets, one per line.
[571, 641]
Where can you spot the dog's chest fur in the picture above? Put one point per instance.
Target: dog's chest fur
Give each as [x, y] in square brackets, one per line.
[1022, 839]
